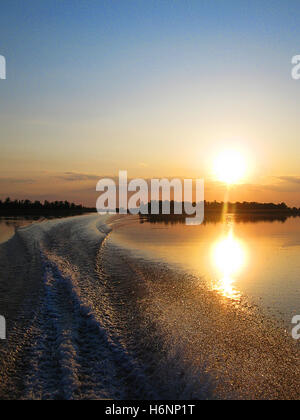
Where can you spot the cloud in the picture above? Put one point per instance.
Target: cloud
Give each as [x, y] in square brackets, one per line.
[290, 179]
[17, 181]
[77, 177]
[285, 184]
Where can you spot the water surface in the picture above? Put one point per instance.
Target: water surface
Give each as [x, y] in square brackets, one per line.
[142, 311]
[258, 260]
[8, 226]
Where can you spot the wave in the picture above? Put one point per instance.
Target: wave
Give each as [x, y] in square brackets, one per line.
[87, 319]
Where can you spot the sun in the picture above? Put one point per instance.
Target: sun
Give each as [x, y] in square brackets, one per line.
[229, 167]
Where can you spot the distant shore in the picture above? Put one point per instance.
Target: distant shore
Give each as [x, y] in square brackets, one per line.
[44, 213]
[27, 208]
[213, 210]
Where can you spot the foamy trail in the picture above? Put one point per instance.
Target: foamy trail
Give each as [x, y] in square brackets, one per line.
[89, 320]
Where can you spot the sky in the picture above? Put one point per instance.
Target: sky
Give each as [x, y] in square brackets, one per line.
[154, 87]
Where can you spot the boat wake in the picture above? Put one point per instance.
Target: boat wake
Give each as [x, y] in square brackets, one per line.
[86, 319]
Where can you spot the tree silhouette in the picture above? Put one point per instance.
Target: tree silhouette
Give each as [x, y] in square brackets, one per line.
[27, 207]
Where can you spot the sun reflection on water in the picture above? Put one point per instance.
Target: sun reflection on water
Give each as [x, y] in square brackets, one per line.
[229, 257]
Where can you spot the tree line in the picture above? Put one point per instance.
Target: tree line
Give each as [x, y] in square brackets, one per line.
[249, 206]
[28, 207]
[12, 207]
[238, 207]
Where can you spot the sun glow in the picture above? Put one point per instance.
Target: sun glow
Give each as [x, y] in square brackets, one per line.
[228, 258]
[229, 167]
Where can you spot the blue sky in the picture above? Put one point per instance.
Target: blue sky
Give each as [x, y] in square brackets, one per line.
[148, 86]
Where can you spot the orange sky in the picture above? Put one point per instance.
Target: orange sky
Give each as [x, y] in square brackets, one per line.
[158, 91]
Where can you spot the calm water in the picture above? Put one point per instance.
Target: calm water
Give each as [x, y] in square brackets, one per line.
[260, 261]
[9, 225]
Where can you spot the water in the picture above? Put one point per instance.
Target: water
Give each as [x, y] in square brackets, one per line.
[100, 308]
[8, 226]
[259, 261]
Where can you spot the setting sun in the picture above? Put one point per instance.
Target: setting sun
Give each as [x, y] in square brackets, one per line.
[229, 167]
